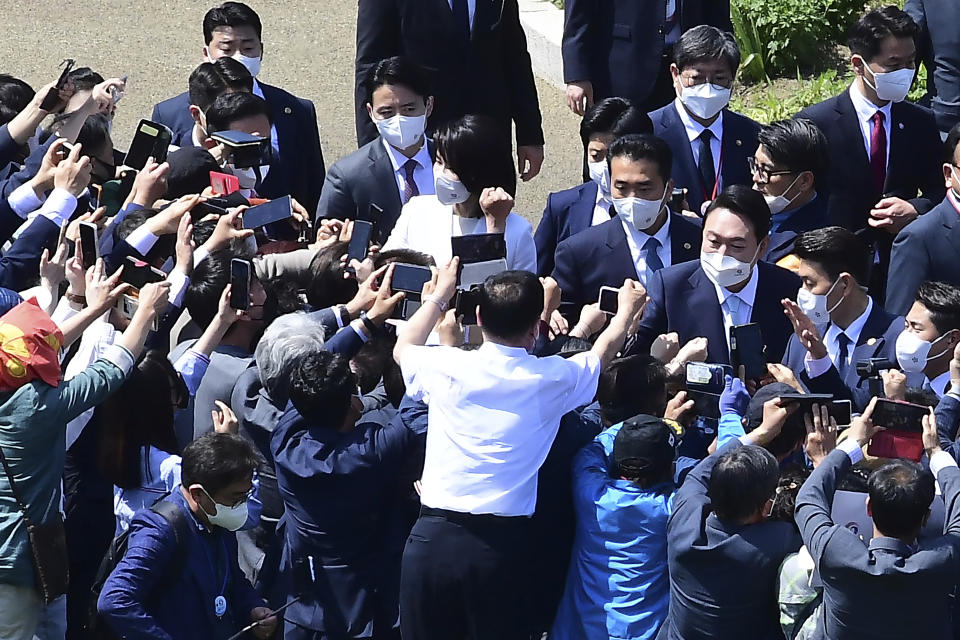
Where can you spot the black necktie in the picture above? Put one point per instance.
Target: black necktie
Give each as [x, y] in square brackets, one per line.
[843, 341]
[705, 164]
[461, 18]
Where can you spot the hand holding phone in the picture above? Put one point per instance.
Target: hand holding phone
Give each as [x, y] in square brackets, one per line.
[268, 213]
[89, 247]
[52, 99]
[746, 349]
[359, 241]
[240, 284]
[609, 297]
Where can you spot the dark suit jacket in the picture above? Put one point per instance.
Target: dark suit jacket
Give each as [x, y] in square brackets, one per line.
[810, 216]
[20, 264]
[600, 256]
[358, 180]
[722, 576]
[490, 75]
[856, 578]
[684, 300]
[948, 420]
[926, 249]
[939, 47]
[739, 143]
[299, 169]
[914, 163]
[617, 44]
[878, 339]
[568, 213]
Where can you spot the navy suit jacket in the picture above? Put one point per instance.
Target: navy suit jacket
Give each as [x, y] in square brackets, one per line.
[297, 171]
[926, 249]
[684, 300]
[939, 47]
[739, 143]
[617, 45]
[20, 264]
[810, 216]
[600, 256]
[878, 339]
[948, 420]
[568, 213]
[914, 165]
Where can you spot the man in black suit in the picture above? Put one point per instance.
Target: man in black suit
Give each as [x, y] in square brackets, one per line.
[710, 143]
[940, 52]
[857, 578]
[207, 82]
[929, 247]
[624, 48]
[791, 155]
[728, 286]
[478, 53]
[883, 151]
[643, 238]
[233, 30]
[836, 323]
[374, 182]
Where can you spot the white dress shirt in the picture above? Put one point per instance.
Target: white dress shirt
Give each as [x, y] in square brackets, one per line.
[818, 367]
[471, 9]
[493, 416]
[694, 129]
[746, 296]
[426, 225]
[601, 209]
[636, 241]
[422, 175]
[274, 140]
[865, 111]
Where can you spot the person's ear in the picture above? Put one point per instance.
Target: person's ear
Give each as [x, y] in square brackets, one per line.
[807, 181]
[675, 74]
[196, 114]
[926, 518]
[479, 319]
[205, 54]
[429, 110]
[370, 111]
[858, 63]
[767, 510]
[948, 175]
[762, 248]
[869, 509]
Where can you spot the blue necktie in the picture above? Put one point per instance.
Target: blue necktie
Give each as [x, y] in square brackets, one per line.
[461, 18]
[843, 341]
[654, 263]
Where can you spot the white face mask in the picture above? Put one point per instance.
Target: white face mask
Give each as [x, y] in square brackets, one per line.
[600, 173]
[705, 100]
[246, 177]
[230, 518]
[401, 132]
[449, 191]
[779, 203]
[913, 352]
[890, 85]
[637, 212]
[252, 64]
[725, 271]
[815, 304]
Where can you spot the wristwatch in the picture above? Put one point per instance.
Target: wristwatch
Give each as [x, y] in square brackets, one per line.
[368, 323]
[76, 299]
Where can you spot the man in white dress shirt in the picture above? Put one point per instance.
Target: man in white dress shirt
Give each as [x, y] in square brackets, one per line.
[493, 415]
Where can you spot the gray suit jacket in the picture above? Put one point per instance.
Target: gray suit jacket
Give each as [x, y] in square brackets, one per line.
[885, 589]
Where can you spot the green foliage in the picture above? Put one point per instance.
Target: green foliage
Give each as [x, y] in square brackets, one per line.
[767, 102]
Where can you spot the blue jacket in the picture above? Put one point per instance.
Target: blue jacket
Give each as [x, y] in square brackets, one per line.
[568, 212]
[787, 225]
[948, 422]
[141, 602]
[618, 586]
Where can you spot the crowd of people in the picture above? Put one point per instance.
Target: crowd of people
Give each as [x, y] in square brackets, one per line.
[714, 394]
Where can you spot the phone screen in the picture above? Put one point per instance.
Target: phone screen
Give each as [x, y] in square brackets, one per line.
[240, 284]
[137, 273]
[479, 247]
[609, 299]
[410, 278]
[707, 377]
[143, 145]
[267, 213]
[746, 348]
[88, 244]
[467, 302]
[360, 240]
[899, 416]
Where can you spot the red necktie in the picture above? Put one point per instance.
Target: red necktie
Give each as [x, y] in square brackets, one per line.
[878, 152]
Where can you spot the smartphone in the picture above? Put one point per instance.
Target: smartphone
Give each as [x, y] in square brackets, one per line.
[466, 305]
[65, 150]
[476, 273]
[151, 139]
[746, 348]
[117, 94]
[360, 241]
[53, 95]
[479, 247]
[89, 246]
[841, 411]
[375, 214]
[245, 150]
[410, 278]
[678, 198]
[709, 378]
[608, 300]
[137, 273]
[268, 213]
[240, 284]
[903, 436]
[223, 184]
[205, 208]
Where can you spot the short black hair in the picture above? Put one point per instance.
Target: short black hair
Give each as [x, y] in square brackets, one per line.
[798, 145]
[706, 43]
[479, 151]
[510, 303]
[94, 135]
[743, 479]
[327, 286]
[616, 117]
[217, 460]
[643, 146]
[189, 173]
[207, 282]
[950, 145]
[788, 486]
[748, 204]
[398, 71]
[15, 95]
[212, 79]
[161, 250]
[836, 250]
[230, 107]
[404, 255]
[630, 386]
[866, 34]
[942, 300]
[84, 78]
[900, 495]
[230, 14]
[321, 388]
[793, 432]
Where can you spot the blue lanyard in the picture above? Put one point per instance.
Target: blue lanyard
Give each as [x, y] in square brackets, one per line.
[213, 564]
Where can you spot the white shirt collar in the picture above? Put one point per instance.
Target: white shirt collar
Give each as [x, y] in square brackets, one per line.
[503, 350]
[856, 327]
[601, 199]
[866, 109]
[747, 295]
[941, 383]
[694, 128]
[257, 90]
[397, 159]
[641, 237]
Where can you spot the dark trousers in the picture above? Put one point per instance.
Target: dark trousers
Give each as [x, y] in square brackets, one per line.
[464, 576]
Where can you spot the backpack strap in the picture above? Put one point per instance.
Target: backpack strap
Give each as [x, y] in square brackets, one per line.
[181, 532]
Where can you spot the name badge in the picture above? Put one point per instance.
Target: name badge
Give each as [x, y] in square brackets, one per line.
[219, 606]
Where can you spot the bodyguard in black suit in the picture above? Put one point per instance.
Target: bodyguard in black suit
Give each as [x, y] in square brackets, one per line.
[234, 30]
[929, 247]
[710, 143]
[686, 298]
[477, 52]
[623, 47]
[374, 182]
[642, 239]
[940, 52]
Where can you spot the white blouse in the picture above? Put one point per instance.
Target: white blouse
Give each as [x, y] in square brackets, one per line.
[425, 225]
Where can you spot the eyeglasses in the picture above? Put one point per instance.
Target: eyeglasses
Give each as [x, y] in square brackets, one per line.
[764, 173]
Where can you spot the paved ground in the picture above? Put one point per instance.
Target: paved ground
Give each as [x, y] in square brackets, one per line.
[309, 48]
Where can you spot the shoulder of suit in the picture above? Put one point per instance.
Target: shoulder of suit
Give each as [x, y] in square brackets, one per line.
[739, 118]
[590, 237]
[774, 271]
[684, 223]
[282, 96]
[906, 109]
[818, 110]
[566, 197]
[176, 102]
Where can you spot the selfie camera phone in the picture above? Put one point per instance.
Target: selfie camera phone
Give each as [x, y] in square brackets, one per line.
[268, 213]
[89, 246]
[243, 149]
[410, 278]
[360, 241]
[223, 184]
[152, 139]
[240, 284]
[608, 300]
[746, 348]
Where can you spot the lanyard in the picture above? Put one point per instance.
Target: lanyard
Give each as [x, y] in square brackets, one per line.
[716, 183]
[215, 573]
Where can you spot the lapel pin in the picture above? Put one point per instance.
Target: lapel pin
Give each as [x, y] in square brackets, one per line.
[288, 110]
[739, 143]
[901, 126]
[686, 245]
[871, 342]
